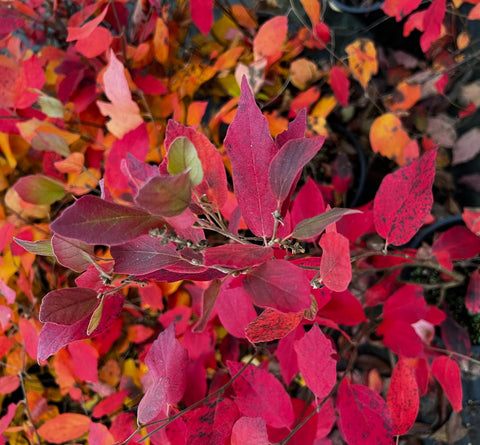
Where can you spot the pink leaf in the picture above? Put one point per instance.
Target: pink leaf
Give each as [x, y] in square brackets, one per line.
[335, 268]
[237, 256]
[231, 297]
[287, 164]
[404, 200]
[96, 221]
[272, 325]
[214, 183]
[269, 39]
[165, 380]
[9, 384]
[268, 288]
[403, 397]
[72, 254]
[432, 23]
[340, 85]
[447, 372]
[260, 394]
[250, 148]
[472, 298]
[287, 356]
[123, 111]
[67, 306]
[29, 337]
[250, 431]
[7, 292]
[54, 336]
[202, 14]
[318, 367]
[110, 404]
[143, 255]
[364, 417]
[85, 361]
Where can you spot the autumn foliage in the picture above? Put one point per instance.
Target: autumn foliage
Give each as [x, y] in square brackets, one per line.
[187, 256]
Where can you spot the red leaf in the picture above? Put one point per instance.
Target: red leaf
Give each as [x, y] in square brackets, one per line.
[340, 85]
[211, 423]
[202, 14]
[400, 8]
[209, 298]
[400, 337]
[96, 221]
[268, 41]
[232, 296]
[165, 380]
[404, 200]
[458, 242]
[214, 183]
[97, 43]
[432, 23]
[447, 372]
[250, 431]
[85, 361]
[72, 254]
[165, 195]
[364, 417]
[403, 397]
[296, 129]
[272, 325]
[237, 256]
[308, 203]
[29, 337]
[143, 255]
[53, 336]
[31, 77]
[318, 367]
[9, 384]
[289, 162]
[335, 268]
[64, 428]
[260, 394]
[251, 149]
[123, 111]
[110, 404]
[287, 356]
[268, 288]
[472, 298]
[67, 306]
[343, 308]
[84, 31]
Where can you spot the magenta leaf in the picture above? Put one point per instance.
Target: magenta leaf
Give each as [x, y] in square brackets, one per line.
[364, 417]
[260, 394]
[308, 203]
[143, 255]
[165, 195]
[54, 336]
[335, 268]
[312, 227]
[296, 129]
[250, 431]
[214, 184]
[272, 325]
[72, 254]
[250, 148]
[39, 189]
[403, 397]
[230, 299]
[96, 221]
[165, 380]
[202, 14]
[67, 306]
[447, 372]
[404, 200]
[472, 298]
[287, 356]
[289, 162]
[268, 287]
[318, 367]
[237, 256]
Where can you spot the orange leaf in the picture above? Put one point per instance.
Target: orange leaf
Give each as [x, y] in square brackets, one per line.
[474, 13]
[303, 72]
[269, 40]
[245, 18]
[362, 59]
[388, 137]
[72, 164]
[160, 40]
[312, 8]
[64, 427]
[405, 96]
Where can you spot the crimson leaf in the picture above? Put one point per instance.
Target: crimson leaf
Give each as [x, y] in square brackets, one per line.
[237, 256]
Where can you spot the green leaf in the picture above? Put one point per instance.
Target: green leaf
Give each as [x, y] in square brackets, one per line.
[95, 318]
[39, 189]
[182, 155]
[50, 142]
[40, 247]
[312, 227]
[51, 106]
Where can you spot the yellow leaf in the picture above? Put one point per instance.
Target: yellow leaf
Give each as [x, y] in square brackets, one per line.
[7, 150]
[362, 60]
[324, 107]
[161, 40]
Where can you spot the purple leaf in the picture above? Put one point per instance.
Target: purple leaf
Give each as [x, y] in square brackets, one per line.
[268, 286]
[67, 306]
[250, 148]
[289, 162]
[53, 336]
[165, 195]
[96, 221]
[237, 256]
[143, 255]
[165, 380]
